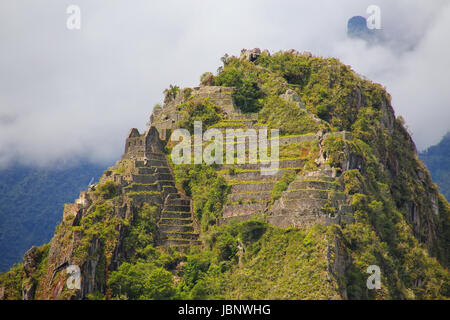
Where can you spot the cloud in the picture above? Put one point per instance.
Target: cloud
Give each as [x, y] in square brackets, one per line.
[66, 95]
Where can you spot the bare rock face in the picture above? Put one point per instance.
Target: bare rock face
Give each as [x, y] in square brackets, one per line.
[338, 260]
[28, 289]
[291, 96]
[250, 55]
[29, 264]
[29, 260]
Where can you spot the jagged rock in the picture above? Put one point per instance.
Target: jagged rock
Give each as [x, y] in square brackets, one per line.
[338, 261]
[29, 260]
[28, 289]
[291, 96]
[250, 55]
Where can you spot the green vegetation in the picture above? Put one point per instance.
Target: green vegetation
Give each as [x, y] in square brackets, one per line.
[107, 190]
[199, 110]
[397, 222]
[207, 189]
[283, 184]
[240, 75]
[288, 117]
[143, 280]
[171, 93]
[253, 260]
[141, 235]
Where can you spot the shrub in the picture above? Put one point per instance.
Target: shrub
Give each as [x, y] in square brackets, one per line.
[207, 79]
[107, 190]
[171, 93]
[199, 110]
[244, 78]
[288, 117]
[252, 230]
[283, 184]
[208, 190]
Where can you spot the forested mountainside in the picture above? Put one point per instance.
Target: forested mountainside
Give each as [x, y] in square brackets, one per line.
[350, 193]
[437, 160]
[31, 201]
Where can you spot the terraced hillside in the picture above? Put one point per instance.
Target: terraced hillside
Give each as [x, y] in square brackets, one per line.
[346, 192]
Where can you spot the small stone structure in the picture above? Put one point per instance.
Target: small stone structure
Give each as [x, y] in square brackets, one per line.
[166, 118]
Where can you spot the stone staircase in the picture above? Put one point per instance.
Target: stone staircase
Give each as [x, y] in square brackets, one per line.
[176, 226]
[152, 181]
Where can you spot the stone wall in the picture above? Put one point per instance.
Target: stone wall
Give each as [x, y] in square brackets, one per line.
[166, 118]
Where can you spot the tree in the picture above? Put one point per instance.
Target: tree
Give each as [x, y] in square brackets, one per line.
[159, 286]
[171, 93]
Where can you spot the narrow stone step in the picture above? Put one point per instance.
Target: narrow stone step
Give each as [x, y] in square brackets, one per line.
[296, 139]
[174, 196]
[305, 193]
[169, 189]
[175, 228]
[180, 208]
[178, 202]
[148, 197]
[316, 178]
[179, 235]
[299, 220]
[253, 176]
[154, 155]
[179, 243]
[176, 221]
[346, 209]
[304, 204]
[144, 178]
[233, 210]
[175, 215]
[152, 170]
[137, 187]
[236, 197]
[252, 187]
[312, 184]
[151, 163]
[266, 165]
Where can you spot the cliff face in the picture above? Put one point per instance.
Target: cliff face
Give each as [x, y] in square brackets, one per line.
[349, 193]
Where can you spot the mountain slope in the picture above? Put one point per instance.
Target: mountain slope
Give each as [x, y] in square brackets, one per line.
[350, 193]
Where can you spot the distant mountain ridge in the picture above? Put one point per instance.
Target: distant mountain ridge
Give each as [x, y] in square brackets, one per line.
[437, 159]
[31, 201]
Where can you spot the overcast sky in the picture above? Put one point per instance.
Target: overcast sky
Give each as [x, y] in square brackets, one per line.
[71, 94]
